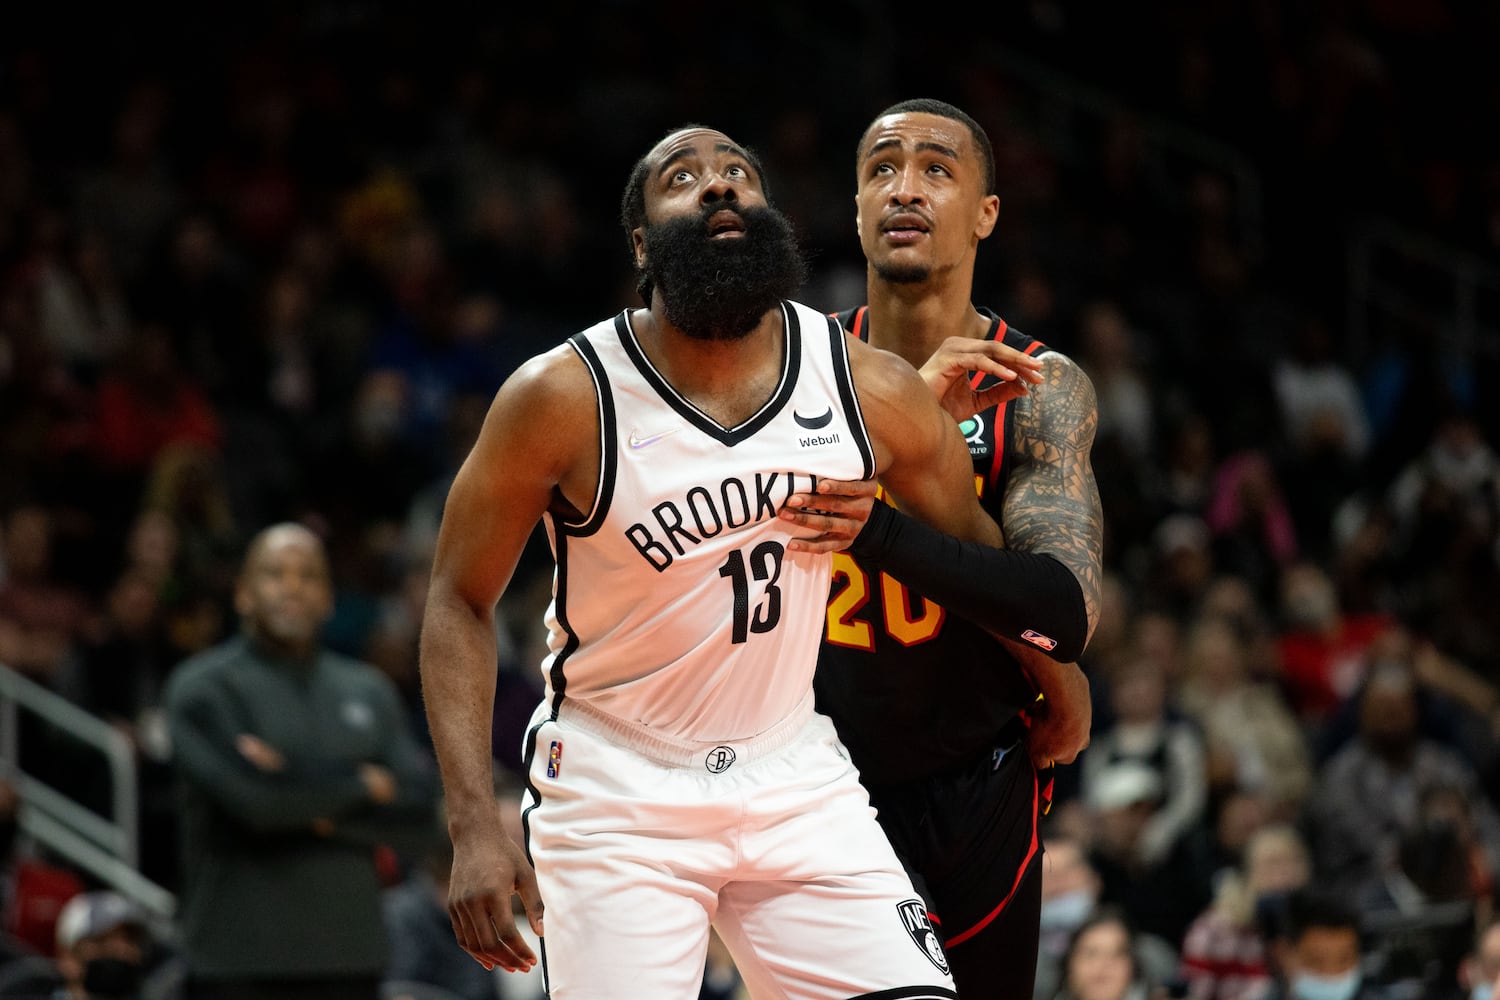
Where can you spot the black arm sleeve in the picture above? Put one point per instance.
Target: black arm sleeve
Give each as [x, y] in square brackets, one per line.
[1026, 596]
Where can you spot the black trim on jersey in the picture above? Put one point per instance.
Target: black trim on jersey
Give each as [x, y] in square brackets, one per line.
[845, 380]
[791, 363]
[557, 675]
[536, 795]
[910, 993]
[604, 491]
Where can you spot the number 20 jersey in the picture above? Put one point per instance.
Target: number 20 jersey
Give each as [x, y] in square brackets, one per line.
[676, 604]
[914, 690]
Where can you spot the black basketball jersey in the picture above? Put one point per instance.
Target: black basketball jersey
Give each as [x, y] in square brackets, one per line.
[913, 689]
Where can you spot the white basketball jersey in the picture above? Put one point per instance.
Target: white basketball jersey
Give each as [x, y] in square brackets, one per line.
[676, 604]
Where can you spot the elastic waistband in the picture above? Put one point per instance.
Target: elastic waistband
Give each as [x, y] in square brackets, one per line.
[673, 752]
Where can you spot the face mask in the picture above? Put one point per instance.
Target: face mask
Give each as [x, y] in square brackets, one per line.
[1482, 991]
[1326, 987]
[111, 977]
[1067, 911]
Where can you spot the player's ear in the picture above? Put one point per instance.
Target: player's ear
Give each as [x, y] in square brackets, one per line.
[638, 239]
[989, 213]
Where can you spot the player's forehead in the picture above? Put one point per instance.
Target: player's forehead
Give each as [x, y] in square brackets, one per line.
[696, 142]
[910, 131]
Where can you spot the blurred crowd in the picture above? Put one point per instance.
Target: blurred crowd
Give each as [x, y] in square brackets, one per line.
[271, 265]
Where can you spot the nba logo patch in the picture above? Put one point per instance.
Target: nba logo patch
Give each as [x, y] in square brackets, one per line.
[554, 759]
[914, 919]
[1037, 639]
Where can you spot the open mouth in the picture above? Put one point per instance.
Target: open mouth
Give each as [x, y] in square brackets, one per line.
[725, 223]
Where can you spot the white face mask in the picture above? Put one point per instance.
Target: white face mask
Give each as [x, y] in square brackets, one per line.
[1066, 911]
[1306, 987]
[1482, 991]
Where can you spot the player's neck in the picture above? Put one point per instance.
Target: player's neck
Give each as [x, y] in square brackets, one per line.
[913, 320]
[727, 379]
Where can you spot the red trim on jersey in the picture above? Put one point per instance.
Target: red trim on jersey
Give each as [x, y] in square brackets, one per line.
[1002, 412]
[1021, 871]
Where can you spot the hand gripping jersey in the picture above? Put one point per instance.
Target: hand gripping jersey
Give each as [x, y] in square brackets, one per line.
[913, 689]
[676, 604]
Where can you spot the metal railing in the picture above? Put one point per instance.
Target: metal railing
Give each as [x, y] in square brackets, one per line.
[106, 846]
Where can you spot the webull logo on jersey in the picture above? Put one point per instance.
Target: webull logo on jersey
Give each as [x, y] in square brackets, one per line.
[676, 526]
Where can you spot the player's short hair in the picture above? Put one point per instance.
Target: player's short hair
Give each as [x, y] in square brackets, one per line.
[633, 201]
[933, 106]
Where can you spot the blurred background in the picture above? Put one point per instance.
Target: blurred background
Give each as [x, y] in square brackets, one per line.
[271, 262]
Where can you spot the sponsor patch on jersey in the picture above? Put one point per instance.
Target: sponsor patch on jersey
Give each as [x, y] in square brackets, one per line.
[554, 759]
[816, 422]
[719, 759]
[914, 918]
[1037, 639]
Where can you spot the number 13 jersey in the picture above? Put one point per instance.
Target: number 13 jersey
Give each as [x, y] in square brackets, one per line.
[675, 602]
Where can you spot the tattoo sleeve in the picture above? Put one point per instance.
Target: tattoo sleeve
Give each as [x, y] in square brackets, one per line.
[1052, 502]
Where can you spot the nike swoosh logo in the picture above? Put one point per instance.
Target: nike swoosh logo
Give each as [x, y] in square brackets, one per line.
[641, 442]
[813, 423]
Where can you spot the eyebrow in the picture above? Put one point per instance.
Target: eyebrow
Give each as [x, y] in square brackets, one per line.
[687, 151]
[920, 147]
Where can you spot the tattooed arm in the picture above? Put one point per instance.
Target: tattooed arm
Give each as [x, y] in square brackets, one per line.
[1052, 502]
[1052, 506]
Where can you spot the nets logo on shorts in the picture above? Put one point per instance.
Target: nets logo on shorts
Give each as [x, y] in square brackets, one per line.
[719, 759]
[914, 918]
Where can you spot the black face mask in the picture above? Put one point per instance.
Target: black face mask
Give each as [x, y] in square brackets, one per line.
[112, 977]
[719, 289]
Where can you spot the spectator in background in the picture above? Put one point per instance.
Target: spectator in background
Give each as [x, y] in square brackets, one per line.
[1253, 534]
[106, 949]
[295, 765]
[1147, 730]
[1070, 898]
[1109, 353]
[1481, 967]
[145, 402]
[1370, 791]
[1253, 740]
[1327, 431]
[1321, 647]
[1318, 394]
[1161, 892]
[1318, 951]
[1101, 962]
[1423, 911]
[43, 617]
[1223, 952]
[1180, 565]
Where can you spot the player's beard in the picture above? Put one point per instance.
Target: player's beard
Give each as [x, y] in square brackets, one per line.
[903, 274]
[719, 289]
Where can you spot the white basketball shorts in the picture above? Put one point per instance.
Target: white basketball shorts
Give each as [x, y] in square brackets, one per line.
[640, 843]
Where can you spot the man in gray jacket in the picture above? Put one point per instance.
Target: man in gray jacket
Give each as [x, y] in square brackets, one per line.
[296, 764]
